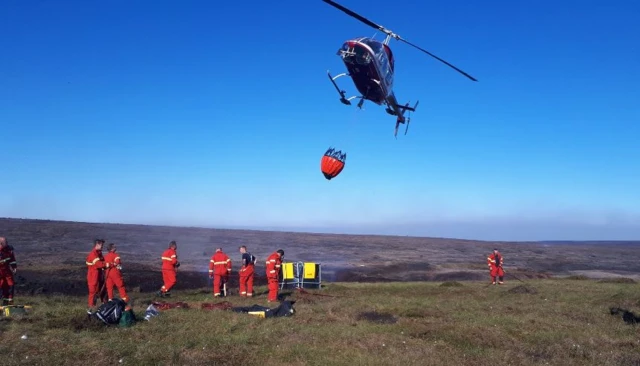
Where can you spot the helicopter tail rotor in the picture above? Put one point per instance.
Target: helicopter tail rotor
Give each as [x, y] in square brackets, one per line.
[409, 116]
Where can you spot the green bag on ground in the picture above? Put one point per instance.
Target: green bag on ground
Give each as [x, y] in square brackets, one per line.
[10, 310]
[127, 319]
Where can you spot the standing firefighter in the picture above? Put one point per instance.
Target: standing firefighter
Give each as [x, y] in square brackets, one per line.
[95, 274]
[495, 262]
[219, 270]
[170, 266]
[8, 267]
[114, 273]
[273, 270]
[246, 272]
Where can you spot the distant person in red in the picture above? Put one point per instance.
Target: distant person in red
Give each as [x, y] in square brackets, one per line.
[95, 274]
[274, 261]
[219, 270]
[114, 273]
[495, 262]
[246, 272]
[8, 268]
[170, 266]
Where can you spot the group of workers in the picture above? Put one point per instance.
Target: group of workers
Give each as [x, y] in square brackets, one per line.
[104, 273]
[220, 270]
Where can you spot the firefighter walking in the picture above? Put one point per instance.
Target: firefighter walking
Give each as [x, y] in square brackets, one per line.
[170, 266]
[114, 273]
[95, 275]
[495, 261]
[247, 271]
[219, 270]
[274, 261]
[8, 268]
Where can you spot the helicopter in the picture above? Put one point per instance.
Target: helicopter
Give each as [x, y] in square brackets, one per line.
[371, 65]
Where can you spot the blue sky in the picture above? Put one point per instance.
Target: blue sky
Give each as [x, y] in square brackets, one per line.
[217, 114]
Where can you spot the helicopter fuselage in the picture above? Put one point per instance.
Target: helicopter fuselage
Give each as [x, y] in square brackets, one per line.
[370, 65]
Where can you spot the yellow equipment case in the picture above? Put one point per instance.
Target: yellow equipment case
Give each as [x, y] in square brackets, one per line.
[301, 275]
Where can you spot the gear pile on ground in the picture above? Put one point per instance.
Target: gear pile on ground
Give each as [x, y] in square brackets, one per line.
[161, 305]
[116, 312]
[627, 316]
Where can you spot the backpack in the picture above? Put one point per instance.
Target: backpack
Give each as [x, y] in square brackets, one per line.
[127, 319]
[111, 311]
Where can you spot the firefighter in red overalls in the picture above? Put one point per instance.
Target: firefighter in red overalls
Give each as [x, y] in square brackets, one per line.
[219, 270]
[8, 267]
[95, 275]
[495, 262]
[170, 266]
[274, 261]
[114, 273]
[246, 272]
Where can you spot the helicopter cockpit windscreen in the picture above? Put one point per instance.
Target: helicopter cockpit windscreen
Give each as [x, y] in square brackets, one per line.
[375, 46]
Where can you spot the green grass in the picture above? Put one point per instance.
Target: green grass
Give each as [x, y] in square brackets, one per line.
[566, 322]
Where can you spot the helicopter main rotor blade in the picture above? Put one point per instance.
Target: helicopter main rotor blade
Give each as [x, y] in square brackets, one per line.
[437, 58]
[355, 15]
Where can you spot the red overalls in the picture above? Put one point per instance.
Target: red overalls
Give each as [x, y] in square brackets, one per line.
[114, 276]
[246, 276]
[7, 265]
[219, 267]
[273, 270]
[169, 260]
[95, 277]
[495, 262]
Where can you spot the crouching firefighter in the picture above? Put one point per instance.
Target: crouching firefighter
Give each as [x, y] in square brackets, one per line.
[114, 273]
[8, 268]
[219, 270]
[495, 262]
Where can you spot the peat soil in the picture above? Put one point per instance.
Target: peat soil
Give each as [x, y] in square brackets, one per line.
[51, 255]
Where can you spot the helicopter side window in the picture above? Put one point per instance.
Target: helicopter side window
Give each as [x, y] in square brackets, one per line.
[384, 63]
[385, 68]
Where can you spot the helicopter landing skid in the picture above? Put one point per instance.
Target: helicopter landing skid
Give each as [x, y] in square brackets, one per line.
[343, 99]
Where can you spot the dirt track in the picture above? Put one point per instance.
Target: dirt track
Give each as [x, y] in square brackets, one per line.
[51, 255]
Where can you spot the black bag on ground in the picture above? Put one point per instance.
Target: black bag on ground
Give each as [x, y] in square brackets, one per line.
[111, 311]
[285, 309]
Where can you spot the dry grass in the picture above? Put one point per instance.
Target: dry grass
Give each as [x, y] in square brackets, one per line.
[562, 322]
